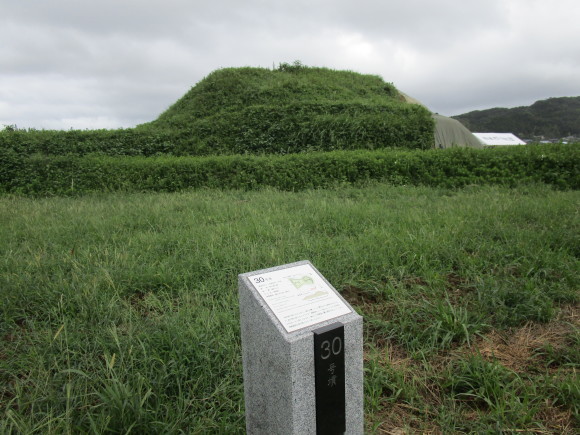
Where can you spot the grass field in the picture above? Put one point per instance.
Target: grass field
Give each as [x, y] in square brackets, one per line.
[119, 312]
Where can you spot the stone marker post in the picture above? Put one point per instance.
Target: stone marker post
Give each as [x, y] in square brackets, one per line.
[302, 353]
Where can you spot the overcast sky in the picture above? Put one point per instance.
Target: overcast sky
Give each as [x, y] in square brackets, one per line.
[118, 63]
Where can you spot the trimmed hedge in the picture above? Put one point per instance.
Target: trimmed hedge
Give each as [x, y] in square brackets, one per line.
[252, 130]
[122, 142]
[39, 175]
[294, 128]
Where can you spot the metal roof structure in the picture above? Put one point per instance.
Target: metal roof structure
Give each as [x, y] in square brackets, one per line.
[498, 139]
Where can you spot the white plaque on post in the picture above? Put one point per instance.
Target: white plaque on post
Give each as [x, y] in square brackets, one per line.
[299, 297]
[302, 353]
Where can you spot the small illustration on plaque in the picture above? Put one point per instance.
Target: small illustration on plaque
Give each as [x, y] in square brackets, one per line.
[306, 286]
[300, 281]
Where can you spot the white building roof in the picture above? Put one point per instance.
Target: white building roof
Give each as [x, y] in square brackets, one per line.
[499, 139]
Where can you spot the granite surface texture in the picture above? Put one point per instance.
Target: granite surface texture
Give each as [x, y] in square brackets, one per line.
[279, 389]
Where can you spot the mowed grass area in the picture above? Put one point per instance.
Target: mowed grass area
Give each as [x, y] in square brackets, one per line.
[119, 312]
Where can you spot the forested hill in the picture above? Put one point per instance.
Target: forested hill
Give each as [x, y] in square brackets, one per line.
[551, 118]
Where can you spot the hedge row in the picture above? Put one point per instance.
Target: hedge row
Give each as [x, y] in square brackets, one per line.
[558, 165]
[294, 128]
[257, 129]
[121, 142]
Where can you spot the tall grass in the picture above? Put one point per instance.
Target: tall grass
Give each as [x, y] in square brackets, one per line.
[119, 312]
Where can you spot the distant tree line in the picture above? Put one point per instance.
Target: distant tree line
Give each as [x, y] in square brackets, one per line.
[551, 118]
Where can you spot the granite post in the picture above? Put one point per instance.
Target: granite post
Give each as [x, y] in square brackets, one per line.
[291, 324]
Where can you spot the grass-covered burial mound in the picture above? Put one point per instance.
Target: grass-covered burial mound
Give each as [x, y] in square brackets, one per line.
[292, 109]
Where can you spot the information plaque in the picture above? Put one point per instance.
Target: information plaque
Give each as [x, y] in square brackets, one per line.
[299, 297]
[302, 354]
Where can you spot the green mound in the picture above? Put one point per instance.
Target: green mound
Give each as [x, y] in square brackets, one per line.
[292, 109]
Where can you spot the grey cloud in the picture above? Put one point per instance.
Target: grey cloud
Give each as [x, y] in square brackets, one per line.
[125, 62]
[103, 17]
[420, 23]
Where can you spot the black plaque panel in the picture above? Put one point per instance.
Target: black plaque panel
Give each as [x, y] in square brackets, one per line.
[329, 379]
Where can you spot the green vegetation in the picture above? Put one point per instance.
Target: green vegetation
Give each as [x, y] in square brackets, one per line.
[119, 311]
[39, 175]
[127, 142]
[119, 306]
[292, 109]
[551, 118]
[292, 128]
